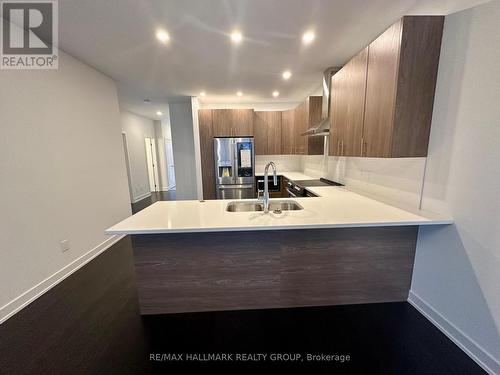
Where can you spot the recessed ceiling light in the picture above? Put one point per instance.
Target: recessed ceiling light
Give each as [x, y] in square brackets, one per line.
[162, 36]
[308, 37]
[203, 93]
[287, 74]
[159, 113]
[236, 37]
[276, 94]
[239, 93]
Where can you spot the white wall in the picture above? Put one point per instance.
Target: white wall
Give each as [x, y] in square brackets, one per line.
[137, 128]
[396, 181]
[456, 278]
[181, 124]
[62, 173]
[284, 163]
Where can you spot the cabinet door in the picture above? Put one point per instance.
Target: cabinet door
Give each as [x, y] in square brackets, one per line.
[348, 104]
[338, 112]
[300, 126]
[417, 75]
[315, 145]
[383, 62]
[274, 132]
[267, 132]
[207, 153]
[223, 122]
[260, 133]
[242, 122]
[287, 132]
[354, 86]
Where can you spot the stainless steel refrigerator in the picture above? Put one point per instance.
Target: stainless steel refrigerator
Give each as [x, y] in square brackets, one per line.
[234, 168]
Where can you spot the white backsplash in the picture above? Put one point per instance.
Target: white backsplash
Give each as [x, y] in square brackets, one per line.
[397, 181]
[283, 162]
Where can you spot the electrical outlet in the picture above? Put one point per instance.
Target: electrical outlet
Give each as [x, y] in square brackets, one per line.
[64, 245]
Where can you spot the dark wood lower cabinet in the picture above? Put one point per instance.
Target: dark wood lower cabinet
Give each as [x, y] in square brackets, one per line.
[267, 269]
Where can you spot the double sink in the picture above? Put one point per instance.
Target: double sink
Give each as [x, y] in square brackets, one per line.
[274, 206]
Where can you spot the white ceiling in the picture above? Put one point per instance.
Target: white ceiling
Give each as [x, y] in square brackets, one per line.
[117, 37]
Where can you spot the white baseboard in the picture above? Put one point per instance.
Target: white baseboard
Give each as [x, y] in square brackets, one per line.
[455, 334]
[141, 197]
[42, 287]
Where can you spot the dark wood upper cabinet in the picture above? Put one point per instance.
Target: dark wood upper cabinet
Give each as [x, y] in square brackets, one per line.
[417, 76]
[337, 113]
[315, 145]
[300, 126]
[287, 132]
[222, 122]
[306, 115]
[243, 122]
[400, 86]
[205, 123]
[348, 107]
[233, 122]
[267, 132]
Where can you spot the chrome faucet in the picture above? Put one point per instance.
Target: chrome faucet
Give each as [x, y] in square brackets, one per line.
[265, 198]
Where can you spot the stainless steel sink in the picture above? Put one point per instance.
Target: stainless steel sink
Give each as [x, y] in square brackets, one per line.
[244, 206]
[284, 206]
[248, 206]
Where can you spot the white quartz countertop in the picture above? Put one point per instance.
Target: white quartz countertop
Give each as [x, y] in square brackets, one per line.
[336, 207]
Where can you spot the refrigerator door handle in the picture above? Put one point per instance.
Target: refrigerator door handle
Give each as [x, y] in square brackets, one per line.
[235, 160]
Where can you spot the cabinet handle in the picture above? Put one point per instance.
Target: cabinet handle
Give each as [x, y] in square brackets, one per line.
[338, 148]
[342, 150]
[362, 145]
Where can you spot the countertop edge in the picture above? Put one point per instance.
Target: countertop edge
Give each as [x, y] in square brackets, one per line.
[278, 227]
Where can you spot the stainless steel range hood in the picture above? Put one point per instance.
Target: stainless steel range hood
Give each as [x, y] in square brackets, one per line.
[322, 127]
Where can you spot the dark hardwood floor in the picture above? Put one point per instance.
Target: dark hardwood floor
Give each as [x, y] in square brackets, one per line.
[90, 324]
[87, 324]
[386, 338]
[155, 197]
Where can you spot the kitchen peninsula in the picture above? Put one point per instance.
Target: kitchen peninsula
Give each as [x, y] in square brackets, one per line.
[340, 248]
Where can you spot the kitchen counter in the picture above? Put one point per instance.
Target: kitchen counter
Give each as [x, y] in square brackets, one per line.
[336, 207]
[195, 256]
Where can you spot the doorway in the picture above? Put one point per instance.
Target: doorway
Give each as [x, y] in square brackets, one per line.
[152, 164]
[169, 153]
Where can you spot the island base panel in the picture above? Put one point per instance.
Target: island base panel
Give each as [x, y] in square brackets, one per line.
[271, 269]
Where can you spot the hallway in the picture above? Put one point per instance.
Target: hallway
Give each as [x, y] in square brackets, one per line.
[155, 197]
